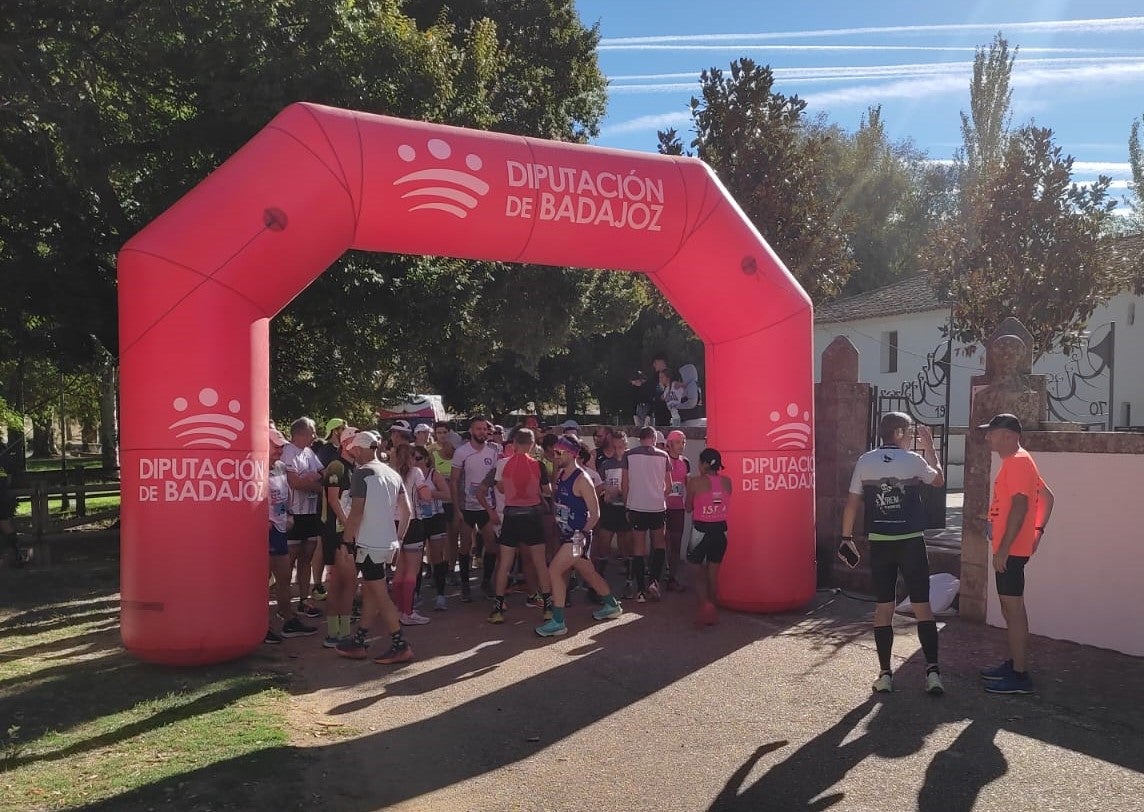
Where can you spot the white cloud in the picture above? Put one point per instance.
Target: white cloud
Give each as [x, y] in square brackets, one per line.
[656, 122]
[1085, 26]
[767, 46]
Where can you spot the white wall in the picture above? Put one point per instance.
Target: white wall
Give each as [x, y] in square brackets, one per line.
[1086, 581]
[920, 334]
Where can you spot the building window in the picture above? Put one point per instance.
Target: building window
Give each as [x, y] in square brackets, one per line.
[890, 351]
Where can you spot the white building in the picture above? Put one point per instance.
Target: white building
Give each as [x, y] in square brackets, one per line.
[897, 330]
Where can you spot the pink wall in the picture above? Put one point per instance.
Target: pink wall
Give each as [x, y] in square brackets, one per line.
[1086, 582]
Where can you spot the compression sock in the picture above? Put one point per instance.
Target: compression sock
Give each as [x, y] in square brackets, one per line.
[658, 557]
[927, 634]
[884, 640]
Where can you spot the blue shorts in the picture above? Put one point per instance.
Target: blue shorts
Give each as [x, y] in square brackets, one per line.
[278, 543]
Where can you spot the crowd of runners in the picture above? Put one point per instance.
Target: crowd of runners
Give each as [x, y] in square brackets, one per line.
[376, 531]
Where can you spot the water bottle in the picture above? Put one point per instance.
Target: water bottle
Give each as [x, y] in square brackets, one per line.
[577, 544]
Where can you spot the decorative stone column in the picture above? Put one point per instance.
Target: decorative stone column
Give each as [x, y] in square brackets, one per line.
[1008, 385]
[841, 422]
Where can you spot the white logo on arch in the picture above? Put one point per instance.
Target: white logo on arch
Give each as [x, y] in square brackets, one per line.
[792, 428]
[210, 427]
[442, 188]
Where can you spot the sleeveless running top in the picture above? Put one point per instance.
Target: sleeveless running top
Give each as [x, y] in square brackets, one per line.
[711, 506]
[571, 510]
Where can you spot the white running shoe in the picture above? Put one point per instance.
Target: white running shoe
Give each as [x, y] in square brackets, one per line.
[414, 618]
[884, 684]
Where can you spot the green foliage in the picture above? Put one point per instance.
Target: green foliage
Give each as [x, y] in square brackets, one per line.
[113, 111]
[1030, 244]
[1136, 185]
[985, 128]
[757, 141]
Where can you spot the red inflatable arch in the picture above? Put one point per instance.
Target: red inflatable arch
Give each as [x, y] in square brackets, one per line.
[199, 285]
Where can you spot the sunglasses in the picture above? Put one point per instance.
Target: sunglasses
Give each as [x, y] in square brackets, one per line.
[419, 458]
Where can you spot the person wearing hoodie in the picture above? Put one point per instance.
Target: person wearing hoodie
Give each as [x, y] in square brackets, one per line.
[691, 410]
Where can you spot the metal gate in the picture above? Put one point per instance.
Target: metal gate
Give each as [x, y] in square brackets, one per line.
[926, 400]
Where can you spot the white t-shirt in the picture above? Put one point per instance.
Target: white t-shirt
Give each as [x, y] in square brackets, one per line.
[413, 482]
[647, 468]
[474, 464]
[279, 492]
[301, 461]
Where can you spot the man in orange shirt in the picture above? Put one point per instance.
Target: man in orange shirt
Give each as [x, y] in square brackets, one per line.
[1018, 513]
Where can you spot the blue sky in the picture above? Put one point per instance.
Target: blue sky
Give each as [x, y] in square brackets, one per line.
[1079, 70]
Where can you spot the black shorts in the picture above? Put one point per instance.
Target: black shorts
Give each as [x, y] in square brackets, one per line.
[614, 518]
[306, 526]
[370, 570]
[676, 517]
[643, 520]
[908, 556]
[1011, 582]
[475, 518]
[278, 545]
[708, 543]
[434, 525]
[449, 513]
[331, 539]
[522, 526]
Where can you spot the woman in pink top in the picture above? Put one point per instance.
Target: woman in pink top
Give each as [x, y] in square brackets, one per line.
[708, 494]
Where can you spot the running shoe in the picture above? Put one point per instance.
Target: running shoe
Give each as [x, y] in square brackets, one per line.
[272, 638]
[396, 655]
[550, 628]
[318, 593]
[608, 611]
[534, 600]
[1011, 684]
[296, 628]
[308, 610]
[653, 591]
[352, 647]
[933, 684]
[998, 671]
[496, 616]
[884, 684]
[641, 597]
[329, 641]
[440, 605]
[414, 618]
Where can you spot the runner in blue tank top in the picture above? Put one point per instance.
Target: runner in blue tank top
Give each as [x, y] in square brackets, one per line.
[577, 511]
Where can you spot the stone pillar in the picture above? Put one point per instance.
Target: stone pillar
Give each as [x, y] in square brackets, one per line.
[1008, 385]
[841, 420]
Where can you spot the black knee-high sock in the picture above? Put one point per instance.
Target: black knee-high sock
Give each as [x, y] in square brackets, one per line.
[884, 640]
[628, 568]
[927, 634]
[639, 570]
[488, 567]
[440, 572]
[464, 561]
[602, 567]
[417, 587]
[658, 557]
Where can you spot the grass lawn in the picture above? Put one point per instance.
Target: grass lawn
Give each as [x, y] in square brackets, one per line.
[84, 724]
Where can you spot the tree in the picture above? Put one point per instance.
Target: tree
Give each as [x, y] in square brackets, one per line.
[886, 195]
[111, 111]
[1030, 244]
[758, 143]
[985, 128]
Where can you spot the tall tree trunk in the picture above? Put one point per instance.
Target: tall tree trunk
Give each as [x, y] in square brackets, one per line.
[15, 450]
[109, 416]
[43, 438]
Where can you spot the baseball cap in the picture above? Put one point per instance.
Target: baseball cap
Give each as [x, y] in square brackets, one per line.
[712, 458]
[1003, 421]
[570, 425]
[348, 433]
[333, 423]
[365, 439]
[420, 427]
[402, 426]
[277, 438]
[676, 435]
